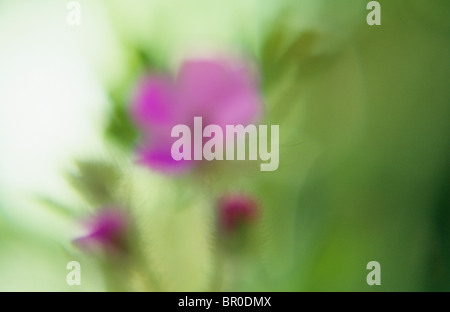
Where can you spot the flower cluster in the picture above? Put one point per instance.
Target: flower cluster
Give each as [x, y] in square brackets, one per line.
[222, 92]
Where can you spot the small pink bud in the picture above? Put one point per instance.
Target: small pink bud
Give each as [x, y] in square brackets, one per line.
[236, 210]
[107, 231]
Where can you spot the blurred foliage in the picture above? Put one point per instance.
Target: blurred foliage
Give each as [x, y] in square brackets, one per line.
[120, 128]
[96, 181]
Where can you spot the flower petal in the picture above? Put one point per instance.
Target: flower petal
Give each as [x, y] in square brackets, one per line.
[222, 92]
[158, 157]
[155, 103]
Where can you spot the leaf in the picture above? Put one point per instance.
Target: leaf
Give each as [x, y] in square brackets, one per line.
[120, 128]
[95, 181]
[55, 206]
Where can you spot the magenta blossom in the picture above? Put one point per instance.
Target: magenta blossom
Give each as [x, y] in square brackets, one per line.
[107, 231]
[236, 210]
[221, 92]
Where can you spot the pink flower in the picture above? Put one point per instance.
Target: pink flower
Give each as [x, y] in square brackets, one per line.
[221, 92]
[236, 210]
[107, 231]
